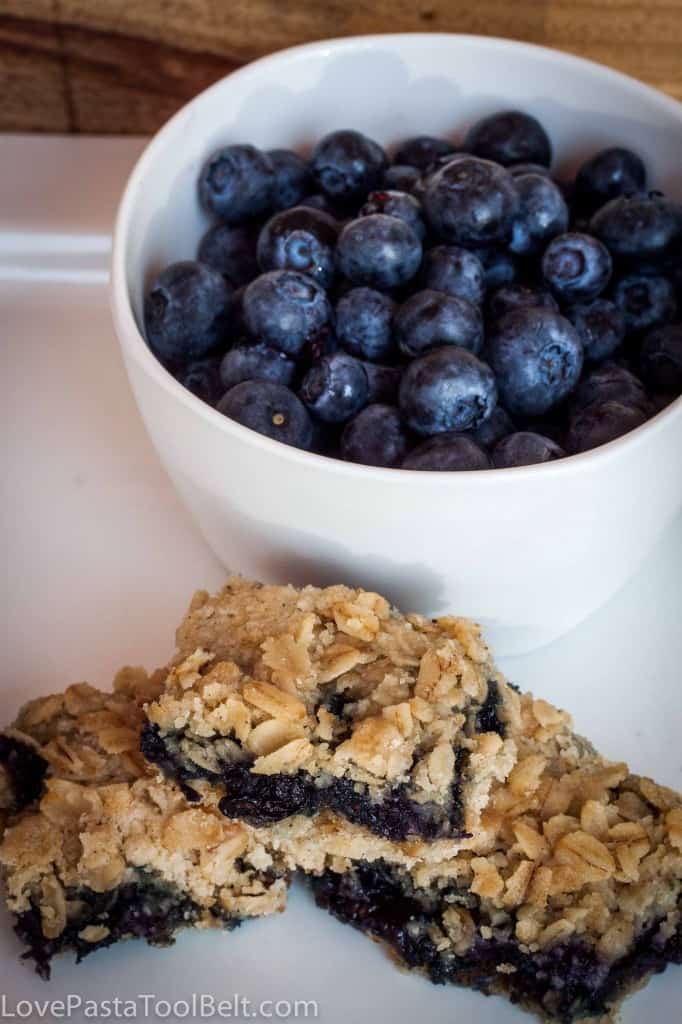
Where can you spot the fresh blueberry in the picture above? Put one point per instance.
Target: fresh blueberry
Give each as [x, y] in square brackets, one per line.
[379, 251]
[609, 383]
[542, 215]
[383, 382]
[396, 204]
[517, 170]
[293, 179]
[601, 327]
[232, 251]
[525, 449]
[518, 296]
[363, 324]
[455, 271]
[510, 137]
[537, 357]
[422, 151]
[499, 267]
[185, 312]
[446, 389]
[335, 388]
[610, 173]
[255, 362]
[401, 177]
[236, 183]
[645, 301]
[451, 451]
[576, 267]
[300, 239]
[471, 202]
[640, 227]
[347, 165]
[375, 437]
[271, 409]
[285, 309]
[430, 318]
[600, 423]
[202, 378]
[661, 359]
[498, 425]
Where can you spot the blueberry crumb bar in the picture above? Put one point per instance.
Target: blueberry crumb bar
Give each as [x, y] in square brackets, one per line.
[436, 807]
[97, 848]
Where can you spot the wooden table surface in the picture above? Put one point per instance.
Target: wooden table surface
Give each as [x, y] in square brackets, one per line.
[117, 66]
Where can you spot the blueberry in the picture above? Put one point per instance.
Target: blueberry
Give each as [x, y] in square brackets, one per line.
[517, 170]
[383, 382]
[335, 388]
[232, 251]
[610, 173]
[645, 301]
[576, 267]
[661, 359]
[537, 358]
[456, 271]
[639, 227]
[202, 378]
[525, 449]
[609, 383]
[270, 409]
[379, 251]
[601, 327]
[446, 389]
[446, 452]
[396, 204]
[510, 137]
[499, 267]
[300, 239]
[236, 183]
[422, 151]
[255, 362]
[285, 309]
[293, 179]
[363, 324]
[600, 423]
[401, 177]
[542, 215]
[185, 312]
[347, 165]
[375, 437]
[430, 318]
[471, 202]
[518, 296]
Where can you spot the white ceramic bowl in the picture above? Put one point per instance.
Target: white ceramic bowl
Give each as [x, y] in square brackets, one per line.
[529, 552]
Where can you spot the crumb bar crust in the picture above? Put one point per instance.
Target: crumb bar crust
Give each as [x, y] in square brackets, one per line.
[295, 702]
[549, 864]
[97, 848]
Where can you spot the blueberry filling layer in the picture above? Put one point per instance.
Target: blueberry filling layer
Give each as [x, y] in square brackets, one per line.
[144, 907]
[25, 768]
[263, 799]
[565, 983]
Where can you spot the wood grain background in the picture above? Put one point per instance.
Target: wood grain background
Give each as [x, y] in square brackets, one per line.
[120, 66]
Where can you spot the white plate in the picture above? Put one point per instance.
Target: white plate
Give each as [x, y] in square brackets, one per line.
[102, 560]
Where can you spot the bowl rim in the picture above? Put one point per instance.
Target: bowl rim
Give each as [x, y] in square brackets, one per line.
[133, 342]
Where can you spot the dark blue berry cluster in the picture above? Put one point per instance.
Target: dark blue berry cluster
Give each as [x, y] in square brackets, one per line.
[456, 307]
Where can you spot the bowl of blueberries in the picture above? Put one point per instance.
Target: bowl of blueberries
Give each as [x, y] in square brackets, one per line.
[406, 311]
